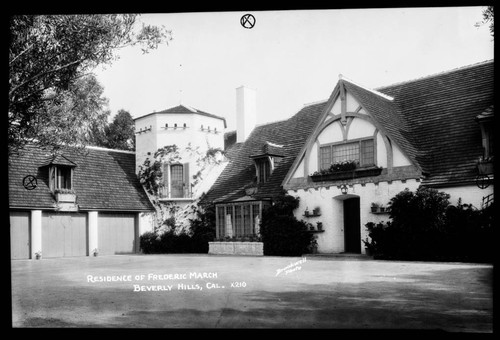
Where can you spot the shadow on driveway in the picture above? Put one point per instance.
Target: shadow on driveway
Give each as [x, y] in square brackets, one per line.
[322, 294]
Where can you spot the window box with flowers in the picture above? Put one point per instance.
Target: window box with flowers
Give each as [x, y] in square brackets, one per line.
[65, 195]
[344, 170]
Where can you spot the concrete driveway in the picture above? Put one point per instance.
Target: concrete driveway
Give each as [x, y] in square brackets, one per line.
[203, 291]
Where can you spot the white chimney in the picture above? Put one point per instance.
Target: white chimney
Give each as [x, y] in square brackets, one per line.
[246, 112]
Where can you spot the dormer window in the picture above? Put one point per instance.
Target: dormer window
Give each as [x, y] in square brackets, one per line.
[263, 166]
[61, 171]
[60, 177]
[266, 159]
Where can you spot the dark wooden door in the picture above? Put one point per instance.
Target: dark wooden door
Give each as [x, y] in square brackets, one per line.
[352, 228]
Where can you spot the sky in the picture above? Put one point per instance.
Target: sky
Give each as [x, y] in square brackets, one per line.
[291, 58]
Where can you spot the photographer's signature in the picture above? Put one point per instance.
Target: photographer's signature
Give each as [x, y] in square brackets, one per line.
[292, 267]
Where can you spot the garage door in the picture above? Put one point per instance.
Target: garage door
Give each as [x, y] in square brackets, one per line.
[64, 234]
[19, 235]
[116, 234]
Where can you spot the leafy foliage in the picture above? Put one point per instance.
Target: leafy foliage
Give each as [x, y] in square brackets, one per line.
[281, 232]
[48, 54]
[119, 134]
[420, 211]
[426, 227]
[488, 17]
[338, 166]
[172, 240]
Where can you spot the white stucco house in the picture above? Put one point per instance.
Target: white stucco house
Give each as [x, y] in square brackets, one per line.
[435, 131]
[430, 132]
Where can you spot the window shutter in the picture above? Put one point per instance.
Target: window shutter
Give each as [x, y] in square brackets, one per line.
[165, 181]
[187, 184]
[52, 178]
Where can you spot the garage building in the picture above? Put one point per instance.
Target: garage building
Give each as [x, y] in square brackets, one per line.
[75, 202]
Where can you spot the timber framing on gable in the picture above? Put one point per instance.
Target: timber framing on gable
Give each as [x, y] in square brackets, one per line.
[345, 118]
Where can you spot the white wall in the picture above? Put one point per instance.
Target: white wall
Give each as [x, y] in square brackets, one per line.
[313, 160]
[470, 194]
[331, 205]
[398, 158]
[351, 103]
[360, 128]
[381, 151]
[145, 142]
[159, 137]
[331, 134]
[336, 108]
[146, 222]
[299, 172]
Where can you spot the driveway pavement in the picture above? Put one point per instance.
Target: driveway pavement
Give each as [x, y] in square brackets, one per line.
[203, 291]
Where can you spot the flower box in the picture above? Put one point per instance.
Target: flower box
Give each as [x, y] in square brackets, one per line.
[65, 198]
[348, 174]
[236, 248]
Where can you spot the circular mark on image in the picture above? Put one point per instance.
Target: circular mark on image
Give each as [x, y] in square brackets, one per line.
[483, 181]
[247, 21]
[30, 182]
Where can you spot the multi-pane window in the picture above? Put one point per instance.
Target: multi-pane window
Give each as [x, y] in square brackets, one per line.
[239, 219]
[345, 152]
[325, 156]
[367, 152]
[60, 177]
[176, 183]
[362, 151]
[263, 169]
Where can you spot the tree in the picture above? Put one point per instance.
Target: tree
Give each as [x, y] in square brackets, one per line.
[120, 133]
[49, 53]
[71, 117]
[488, 18]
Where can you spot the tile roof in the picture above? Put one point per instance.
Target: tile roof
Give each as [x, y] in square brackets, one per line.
[440, 112]
[385, 112]
[240, 172]
[432, 119]
[183, 109]
[104, 179]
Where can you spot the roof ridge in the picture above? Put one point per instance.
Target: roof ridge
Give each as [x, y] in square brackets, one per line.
[108, 149]
[190, 108]
[367, 88]
[436, 74]
[315, 102]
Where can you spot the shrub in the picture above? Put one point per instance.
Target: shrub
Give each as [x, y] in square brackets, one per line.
[149, 242]
[282, 233]
[203, 227]
[195, 241]
[426, 227]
